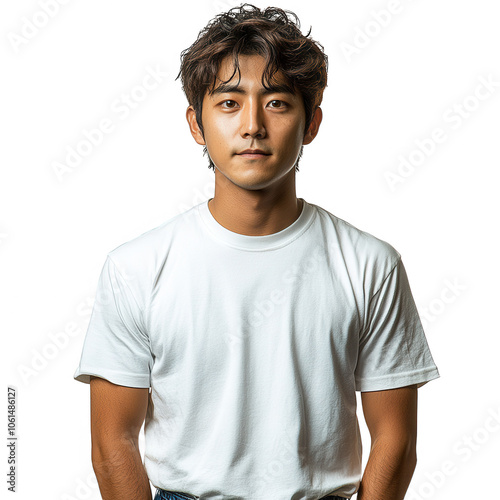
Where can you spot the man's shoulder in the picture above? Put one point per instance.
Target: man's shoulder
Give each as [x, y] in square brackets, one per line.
[151, 239]
[139, 257]
[358, 244]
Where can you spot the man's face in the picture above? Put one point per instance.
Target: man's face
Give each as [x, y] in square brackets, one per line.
[235, 120]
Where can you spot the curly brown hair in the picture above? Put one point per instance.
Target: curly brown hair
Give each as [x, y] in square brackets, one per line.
[269, 33]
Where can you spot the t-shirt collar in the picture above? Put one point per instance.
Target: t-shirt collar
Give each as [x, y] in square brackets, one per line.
[266, 242]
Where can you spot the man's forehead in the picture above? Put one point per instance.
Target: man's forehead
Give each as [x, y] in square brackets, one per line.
[243, 82]
[228, 63]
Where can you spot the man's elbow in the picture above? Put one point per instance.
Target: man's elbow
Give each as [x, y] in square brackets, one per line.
[411, 455]
[404, 447]
[109, 453]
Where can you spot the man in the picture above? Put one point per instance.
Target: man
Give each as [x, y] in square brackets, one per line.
[255, 316]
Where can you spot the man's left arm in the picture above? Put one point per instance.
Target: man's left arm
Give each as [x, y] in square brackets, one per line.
[391, 418]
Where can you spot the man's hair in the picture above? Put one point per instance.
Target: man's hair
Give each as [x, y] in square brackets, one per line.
[269, 33]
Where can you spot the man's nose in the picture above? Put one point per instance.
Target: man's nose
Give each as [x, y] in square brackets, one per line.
[252, 120]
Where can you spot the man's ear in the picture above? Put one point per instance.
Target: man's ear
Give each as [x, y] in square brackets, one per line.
[193, 126]
[313, 129]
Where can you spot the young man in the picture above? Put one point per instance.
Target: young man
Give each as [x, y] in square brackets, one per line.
[255, 316]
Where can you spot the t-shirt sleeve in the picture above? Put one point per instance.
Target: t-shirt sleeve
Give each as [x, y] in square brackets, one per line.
[393, 350]
[116, 345]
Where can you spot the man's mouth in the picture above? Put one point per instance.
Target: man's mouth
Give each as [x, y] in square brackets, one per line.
[253, 153]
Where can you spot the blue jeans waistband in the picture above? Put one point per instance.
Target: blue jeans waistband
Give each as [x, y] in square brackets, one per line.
[172, 495]
[176, 495]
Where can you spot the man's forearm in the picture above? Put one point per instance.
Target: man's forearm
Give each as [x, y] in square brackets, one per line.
[120, 472]
[388, 471]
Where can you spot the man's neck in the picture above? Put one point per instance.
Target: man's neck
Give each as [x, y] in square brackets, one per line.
[254, 216]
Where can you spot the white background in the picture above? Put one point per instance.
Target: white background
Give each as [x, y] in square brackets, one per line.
[415, 72]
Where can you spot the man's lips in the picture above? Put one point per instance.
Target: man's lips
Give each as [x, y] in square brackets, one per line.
[254, 152]
[254, 156]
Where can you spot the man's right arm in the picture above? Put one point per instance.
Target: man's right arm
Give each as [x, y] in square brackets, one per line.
[117, 415]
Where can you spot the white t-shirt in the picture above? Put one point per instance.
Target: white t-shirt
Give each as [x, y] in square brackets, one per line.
[253, 347]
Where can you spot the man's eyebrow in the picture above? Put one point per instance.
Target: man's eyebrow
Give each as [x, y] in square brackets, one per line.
[281, 88]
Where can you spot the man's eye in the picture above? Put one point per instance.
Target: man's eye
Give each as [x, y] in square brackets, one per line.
[228, 100]
[283, 103]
